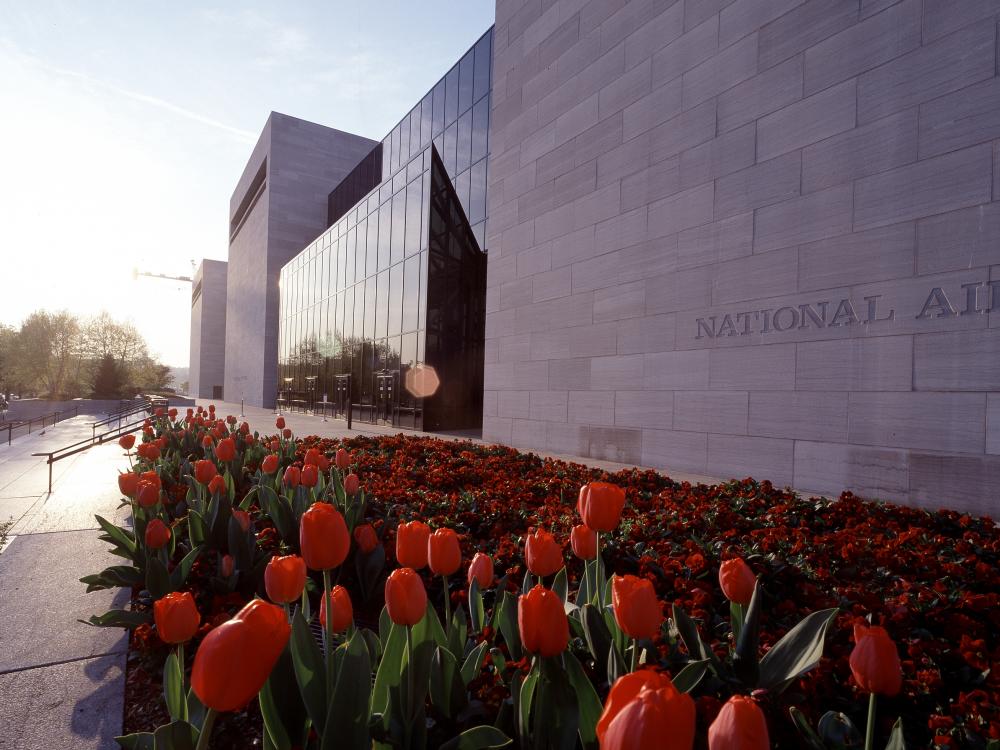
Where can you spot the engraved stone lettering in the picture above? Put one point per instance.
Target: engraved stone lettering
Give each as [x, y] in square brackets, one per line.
[703, 326]
[845, 314]
[873, 310]
[936, 305]
[790, 320]
[808, 313]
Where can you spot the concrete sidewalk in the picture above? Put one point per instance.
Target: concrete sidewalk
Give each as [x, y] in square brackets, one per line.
[61, 682]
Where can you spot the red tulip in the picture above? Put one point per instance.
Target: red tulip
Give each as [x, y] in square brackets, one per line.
[637, 610]
[309, 476]
[444, 555]
[148, 451]
[366, 538]
[204, 470]
[176, 617]
[323, 464]
[206, 441]
[227, 566]
[280, 423]
[875, 661]
[411, 544]
[740, 725]
[157, 534]
[270, 464]
[343, 459]
[128, 483]
[600, 505]
[405, 597]
[148, 494]
[172, 413]
[285, 578]
[542, 553]
[286, 433]
[343, 611]
[226, 449]
[583, 539]
[152, 478]
[243, 519]
[234, 660]
[292, 477]
[211, 409]
[312, 457]
[646, 710]
[245, 428]
[542, 621]
[126, 441]
[481, 569]
[351, 484]
[737, 581]
[217, 485]
[323, 537]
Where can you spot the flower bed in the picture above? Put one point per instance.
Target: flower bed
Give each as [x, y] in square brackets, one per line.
[929, 578]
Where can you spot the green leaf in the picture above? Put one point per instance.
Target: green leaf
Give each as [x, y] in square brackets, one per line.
[837, 731]
[736, 618]
[458, 633]
[179, 575]
[347, 720]
[896, 740]
[280, 512]
[177, 735]
[560, 585]
[123, 576]
[597, 636]
[369, 569]
[310, 672]
[473, 663]
[446, 687]
[157, 578]
[687, 679]
[587, 699]
[478, 738]
[585, 594]
[557, 712]
[477, 612]
[508, 625]
[499, 662]
[745, 663]
[389, 669]
[798, 652]
[119, 536]
[173, 688]
[525, 700]
[137, 741]
[802, 724]
[429, 629]
[197, 528]
[688, 632]
[281, 705]
[119, 618]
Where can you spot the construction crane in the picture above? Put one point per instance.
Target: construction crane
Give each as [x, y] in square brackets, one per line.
[136, 273]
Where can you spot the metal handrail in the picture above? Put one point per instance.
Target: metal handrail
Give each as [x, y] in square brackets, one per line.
[55, 416]
[73, 448]
[145, 406]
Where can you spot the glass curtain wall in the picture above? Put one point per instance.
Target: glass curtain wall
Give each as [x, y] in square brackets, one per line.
[355, 301]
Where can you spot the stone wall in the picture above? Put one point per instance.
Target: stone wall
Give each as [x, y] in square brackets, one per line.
[208, 329]
[751, 237]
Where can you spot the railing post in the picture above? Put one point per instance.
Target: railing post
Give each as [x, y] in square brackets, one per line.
[50, 473]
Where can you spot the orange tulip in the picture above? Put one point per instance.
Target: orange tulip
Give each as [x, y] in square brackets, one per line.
[323, 464]
[204, 470]
[172, 413]
[323, 537]
[245, 428]
[280, 423]
[366, 538]
[126, 441]
[637, 610]
[176, 617]
[309, 476]
[312, 457]
[226, 566]
[740, 725]
[541, 618]
[152, 478]
[157, 534]
[217, 486]
[343, 459]
[270, 464]
[148, 451]
[875, 661]
[128, 483]
[481, 569]
[411, 544]
[405, 597]
[600, 505]
[226, 449]
[292, 477]
[148, 494]
[286, 433]
[646, 711]
[343, 611]
[285, 578]
[737, 581]
[206, 441]
[352, 484]
[443, 552]
[243, 519]
[234, 660]
[542, 553]
[583, 539]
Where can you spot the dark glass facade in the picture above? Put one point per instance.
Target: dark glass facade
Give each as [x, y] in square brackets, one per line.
[394, 290]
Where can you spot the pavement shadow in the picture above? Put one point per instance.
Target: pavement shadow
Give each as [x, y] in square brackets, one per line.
[98, 715]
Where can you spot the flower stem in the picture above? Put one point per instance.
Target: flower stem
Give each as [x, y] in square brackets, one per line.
[635, 655]
[447, 608]
[288, 612]
[328, 632]
[597, 571]
[409, 674]
[206, 730]
[870, 732]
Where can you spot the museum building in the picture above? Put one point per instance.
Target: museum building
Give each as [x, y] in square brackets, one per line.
[717, 237]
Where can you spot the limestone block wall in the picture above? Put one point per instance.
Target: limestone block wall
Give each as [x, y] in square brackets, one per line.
[208, 329]
[751, 237]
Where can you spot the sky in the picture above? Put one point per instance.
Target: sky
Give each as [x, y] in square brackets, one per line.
[126, 125]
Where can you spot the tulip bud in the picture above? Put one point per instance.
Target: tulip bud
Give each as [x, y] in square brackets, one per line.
[740, 725]
[875, 661]
[157, 534]
[405, 597]
[644, 709]
[245, 428]
[366, 538]
[444, 555]
[411, 544]
[600, 505]
[292, 477]
[351, 484]
[542, 621]
[226, 449]
[270, 464]
[172, 413]
[176, 617]
[309, 476]
[148, 494]
[286, 433]
[323, 537]
[211, 409]
[280, 423]
[543, 553]
[217, 486]
[243, 519]
[311, 457]
[481, 569]
[206, 441]
[340, 605]
[128, 483]
[637, 610]
[583, 539]
[285, 578]
[343, 459]
[737, 581]
[234, 660]
[323, 464]
[204, 470]
[126, 441]
[226, 566]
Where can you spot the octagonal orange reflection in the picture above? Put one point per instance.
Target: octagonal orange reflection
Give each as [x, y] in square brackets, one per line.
[422, 381]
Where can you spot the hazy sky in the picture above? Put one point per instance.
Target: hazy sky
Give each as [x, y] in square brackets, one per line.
[125, 126]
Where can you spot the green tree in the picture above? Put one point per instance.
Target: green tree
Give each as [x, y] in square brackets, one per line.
[108, 378]
[45, 350]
